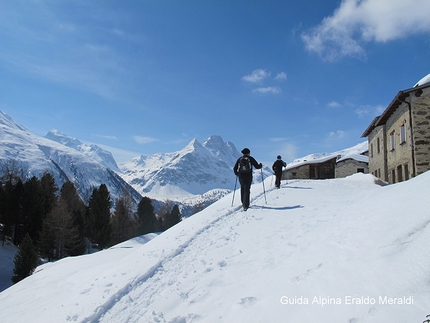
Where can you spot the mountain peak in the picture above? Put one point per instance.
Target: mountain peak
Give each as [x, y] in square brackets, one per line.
[214, 141]
[63, 139]
[100, 155]
[9, 122]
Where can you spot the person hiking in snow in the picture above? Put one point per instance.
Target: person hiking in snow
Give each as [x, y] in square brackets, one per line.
[277, 169]
[243, 169]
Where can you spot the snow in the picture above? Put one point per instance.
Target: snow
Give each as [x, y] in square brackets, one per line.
[424, 80]
[337, 250]
[352, 152]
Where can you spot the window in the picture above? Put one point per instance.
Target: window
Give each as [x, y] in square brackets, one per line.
[393, 176]
[360, 170]
[402, 134]
[393, 140]
[371, 150]
[406, 169]
[399, 173]
[378, 145]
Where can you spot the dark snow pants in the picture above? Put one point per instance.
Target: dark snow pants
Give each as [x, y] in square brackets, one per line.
[245, 181]
[278, 176]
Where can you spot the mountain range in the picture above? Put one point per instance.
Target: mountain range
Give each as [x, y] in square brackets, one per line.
[193, 177]
[199, 174]
[32, 155]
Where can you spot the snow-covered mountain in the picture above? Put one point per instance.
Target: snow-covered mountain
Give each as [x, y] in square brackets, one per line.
[100, 155]
[187, 174]
[35, 155]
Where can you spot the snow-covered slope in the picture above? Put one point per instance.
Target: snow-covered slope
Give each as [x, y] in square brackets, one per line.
[36, 155]
[100, 155]
[338, 250]
[194, 170]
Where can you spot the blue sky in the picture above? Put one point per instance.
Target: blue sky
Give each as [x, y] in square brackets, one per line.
[141, 77]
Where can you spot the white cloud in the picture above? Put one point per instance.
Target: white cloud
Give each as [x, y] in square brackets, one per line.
[359, 21]
[144, 140]
[281, 76]
[338, 134]
[288, 152]
[334, 104]
[256, 76]
[366, 110]
[269, 89]
[106, 137]
[277, 139]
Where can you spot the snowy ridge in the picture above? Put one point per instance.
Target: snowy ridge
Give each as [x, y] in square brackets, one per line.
[226, 265]
[190, 172]
[100, 155]
[35, 155]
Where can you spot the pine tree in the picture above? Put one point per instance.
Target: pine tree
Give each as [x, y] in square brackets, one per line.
[145, 217]
[16, 209]
[76, 208]
[32, 208]
[121, 220]
[59, 237]
[25, 260]
[47, 238]
[173, 218]
[99, 217]
[49, 193]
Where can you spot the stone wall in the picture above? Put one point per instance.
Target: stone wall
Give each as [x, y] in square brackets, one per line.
[399, 153]
[421, 133]
[377, 153]
[301, 172]
[350, 166]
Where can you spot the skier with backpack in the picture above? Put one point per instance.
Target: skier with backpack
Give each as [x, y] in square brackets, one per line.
[243, 170]
[277, 169]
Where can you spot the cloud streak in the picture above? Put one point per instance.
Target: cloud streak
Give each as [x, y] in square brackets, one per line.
[256, 76]
[356, 22]
[144, 140]
[269, 89]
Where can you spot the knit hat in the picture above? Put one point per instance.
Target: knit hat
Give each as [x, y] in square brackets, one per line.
[279, 157]
[245, 151]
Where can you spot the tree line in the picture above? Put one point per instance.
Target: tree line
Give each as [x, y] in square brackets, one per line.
[51, 223]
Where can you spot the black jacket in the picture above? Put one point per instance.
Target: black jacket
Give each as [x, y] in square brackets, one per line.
[253, 163]
[277, 166]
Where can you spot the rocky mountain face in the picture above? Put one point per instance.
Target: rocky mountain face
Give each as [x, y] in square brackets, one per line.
[96, 153]
[34, 155]
[196, 174]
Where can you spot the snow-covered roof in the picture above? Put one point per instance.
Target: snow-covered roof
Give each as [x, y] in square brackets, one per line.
[424, 80]
[311, 161]
[356, 151]
[360, 158]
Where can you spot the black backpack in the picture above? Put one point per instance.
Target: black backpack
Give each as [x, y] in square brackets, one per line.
[245, 165]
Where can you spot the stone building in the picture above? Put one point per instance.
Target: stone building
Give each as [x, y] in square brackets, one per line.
[321, 168]
[338, 164]
[399, 139]
[351, 164]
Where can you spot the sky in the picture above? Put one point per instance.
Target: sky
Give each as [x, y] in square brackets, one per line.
[294, 256]
[142, 77]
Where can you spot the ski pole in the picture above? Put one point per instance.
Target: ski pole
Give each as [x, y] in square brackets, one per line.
[264, 189]
[234, 192]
